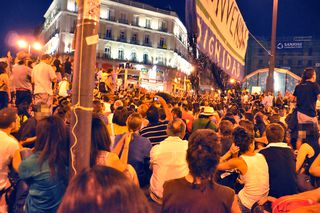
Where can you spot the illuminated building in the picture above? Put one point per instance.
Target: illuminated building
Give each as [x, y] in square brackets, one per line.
[153, 41]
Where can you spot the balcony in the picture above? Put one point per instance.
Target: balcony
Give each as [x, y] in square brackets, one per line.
[162, 46]
[111, 18]
[163, 29]
[148, 44]
[123, 21]
[123, 39]
[134, 41]
[135, 23]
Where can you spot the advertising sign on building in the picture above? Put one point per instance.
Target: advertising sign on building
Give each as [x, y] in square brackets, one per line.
[222, 34]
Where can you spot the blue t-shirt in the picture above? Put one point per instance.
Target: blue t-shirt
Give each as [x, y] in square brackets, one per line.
[45, 191]
[139, 152]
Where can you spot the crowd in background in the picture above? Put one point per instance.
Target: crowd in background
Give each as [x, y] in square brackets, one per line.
[220, 151]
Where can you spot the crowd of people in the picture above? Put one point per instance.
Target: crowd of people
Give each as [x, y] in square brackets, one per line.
[220, 151]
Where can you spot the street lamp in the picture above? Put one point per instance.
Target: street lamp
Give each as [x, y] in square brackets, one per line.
[270, 80]
[23, 44]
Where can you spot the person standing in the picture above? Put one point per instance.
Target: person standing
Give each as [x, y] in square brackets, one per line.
[68, 68]
[307, 93]
[21, 77]
[43, 76]
[5, 94]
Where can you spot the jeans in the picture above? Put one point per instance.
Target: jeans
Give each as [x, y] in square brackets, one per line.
[242, 207]
[4, 99]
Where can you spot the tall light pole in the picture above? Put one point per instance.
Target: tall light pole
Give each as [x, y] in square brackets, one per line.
[86, 39]
[270, 80]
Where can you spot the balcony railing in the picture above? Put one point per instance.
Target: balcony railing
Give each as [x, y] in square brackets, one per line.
[134, 41]
[162, 46]
[123, 21]
[148, 44]
[122, 39]
[111, 18]
[135, 23]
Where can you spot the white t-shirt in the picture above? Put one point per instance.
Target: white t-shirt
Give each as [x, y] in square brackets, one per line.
[168, 160]
[63, 88]
[42, 76]
[256, 180]
[8, 147]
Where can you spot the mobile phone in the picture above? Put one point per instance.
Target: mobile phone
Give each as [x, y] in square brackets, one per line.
[155, 98]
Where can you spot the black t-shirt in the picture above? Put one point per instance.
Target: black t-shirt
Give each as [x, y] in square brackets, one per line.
[307, 94]
[57, 64]
[67, 67]
[282, 171]
[180, 196]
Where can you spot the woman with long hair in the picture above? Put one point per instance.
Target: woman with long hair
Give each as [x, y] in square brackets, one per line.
[253, 168]
[198, 191]
[103, 189]
[139, 148]
[46, 170]
[101, 153]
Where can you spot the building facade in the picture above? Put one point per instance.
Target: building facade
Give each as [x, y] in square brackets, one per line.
[292, 53]
[151, 40]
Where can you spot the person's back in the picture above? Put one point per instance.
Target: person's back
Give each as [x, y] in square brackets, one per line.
[182, 196]
[281, 163]
[168, 159]
[155, 132]
[45, 191]
[306, 94]
[43, 75]
[21, 77]
[256, 180]
[282, 175]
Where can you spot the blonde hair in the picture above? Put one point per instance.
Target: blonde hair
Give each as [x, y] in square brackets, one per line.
[134, 122]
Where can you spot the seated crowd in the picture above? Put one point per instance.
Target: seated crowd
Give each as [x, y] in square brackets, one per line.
[157, 153]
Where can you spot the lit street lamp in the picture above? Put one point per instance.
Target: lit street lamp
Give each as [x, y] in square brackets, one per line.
[24, 44]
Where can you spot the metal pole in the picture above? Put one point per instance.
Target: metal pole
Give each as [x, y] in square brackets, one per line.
[270, 80]
[83, 83]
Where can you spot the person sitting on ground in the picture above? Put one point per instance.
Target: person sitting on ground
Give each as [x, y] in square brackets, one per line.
[168, 159]
[252, 166]
[225, 131]
[102, 189]
[281, 163]
[45, 171]
[205, 120]
[198, 191]
[139, 148]
[156, 130]
[309, 149]
[9, 145]
[100, 153]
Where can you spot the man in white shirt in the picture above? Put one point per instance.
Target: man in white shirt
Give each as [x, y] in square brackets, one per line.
[8, 146]
[168, 159]
[43, 76]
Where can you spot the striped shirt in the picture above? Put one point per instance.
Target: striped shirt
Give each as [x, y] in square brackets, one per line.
[155, 132]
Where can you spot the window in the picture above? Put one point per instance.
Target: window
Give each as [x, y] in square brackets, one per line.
[107, 52]
[260, 62]
[310, 52]
[163, 26]
[135, 21]
[134, 38]
[148, 23]
[147, 39]
[122, 36]
[299, 62]
[121, 54]
[109, 33]
[133, 56]
[290, 62]
[309, 63]
[123, 18]
[145, 58]
[162, 43]
[260, 51]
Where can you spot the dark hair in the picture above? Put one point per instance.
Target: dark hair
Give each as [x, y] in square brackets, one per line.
[308, 74]
[100, 138]
[52, 143]
[162, 114]
[248, 125]
[275, 133]
[3, 66]
[7, 117]
[153, 114]
[97, 106]
[177, 111]
[229, 118]
[203, 155]
[134, 121]
[45, 57]
[120, 116]
[102, 189]
[242, 139]
[226, 127]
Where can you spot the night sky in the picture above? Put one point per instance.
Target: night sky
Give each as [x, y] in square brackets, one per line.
[295, 17]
